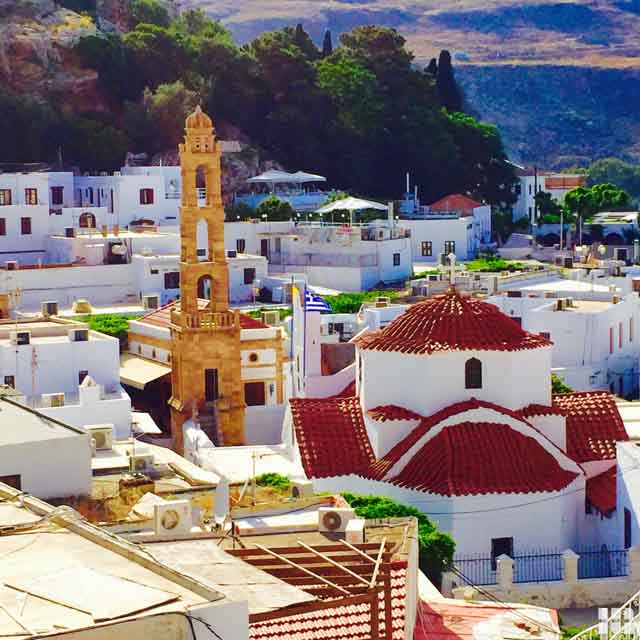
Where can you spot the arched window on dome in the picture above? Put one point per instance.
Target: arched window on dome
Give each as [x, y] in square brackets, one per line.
[473, 374]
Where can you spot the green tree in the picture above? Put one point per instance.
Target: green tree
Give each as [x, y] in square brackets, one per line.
[352, 88]
[436, 548]
[448, 91]
[558, 385]
[584, 202]
[159, 55]
[273, 209]
[150, 12]
[548, 207]
[624, 175]
[432, 67]
[327, 44]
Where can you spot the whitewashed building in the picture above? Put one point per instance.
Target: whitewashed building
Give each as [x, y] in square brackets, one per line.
[594, 335]
[40, 455]
[454, 224]
[450, 410]
[66, 371]
[531, 182]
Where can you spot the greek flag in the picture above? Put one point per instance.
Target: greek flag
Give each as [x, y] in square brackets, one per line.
[313, 302]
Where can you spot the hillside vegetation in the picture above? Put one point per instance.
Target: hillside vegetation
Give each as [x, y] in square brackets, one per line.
[358, 112]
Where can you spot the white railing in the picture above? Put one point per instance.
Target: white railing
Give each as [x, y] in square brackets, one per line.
[622, 622]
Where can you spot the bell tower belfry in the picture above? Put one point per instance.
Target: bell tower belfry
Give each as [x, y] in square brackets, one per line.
[205, 333]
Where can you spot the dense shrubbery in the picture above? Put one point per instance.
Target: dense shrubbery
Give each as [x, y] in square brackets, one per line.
[274, 480]
[361, 114]
[493, 265]
[351, 302]
[111, 325]
[436, 548]
[558, 385]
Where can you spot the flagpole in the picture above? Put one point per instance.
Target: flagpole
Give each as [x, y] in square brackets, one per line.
[304, 336]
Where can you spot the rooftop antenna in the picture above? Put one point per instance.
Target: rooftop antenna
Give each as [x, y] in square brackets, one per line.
[408, 189]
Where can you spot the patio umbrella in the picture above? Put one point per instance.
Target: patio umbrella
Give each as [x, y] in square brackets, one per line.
[351, 204]
[302, 176]
[273, 176]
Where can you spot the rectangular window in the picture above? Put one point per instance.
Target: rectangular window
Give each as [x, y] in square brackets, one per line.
[249, 276]
[240, 245]
[5, 197]
[57, 195]
[3, 226]
[530, 211]
[620, 336]
[278, 245]
[172, 280]
[627, 528]
[630, 329]
[14, 481]
[427, 248]
[10, 381]
[500, 547]
[396, 259]
[154, 271]
[610, 339]
[449, 247]
[210, 385]
[31, 196]
[529, 189]
[82, 375]
[545, 334]
[90, 195]
[254, 394]
[146, 196]
[25, 226]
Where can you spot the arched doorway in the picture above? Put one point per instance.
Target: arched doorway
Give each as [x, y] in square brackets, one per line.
[87, 220]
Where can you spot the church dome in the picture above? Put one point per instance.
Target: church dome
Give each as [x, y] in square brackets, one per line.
[199, 120]
[451, 322]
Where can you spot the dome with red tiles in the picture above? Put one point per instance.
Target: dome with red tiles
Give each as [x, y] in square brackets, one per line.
[452, 322]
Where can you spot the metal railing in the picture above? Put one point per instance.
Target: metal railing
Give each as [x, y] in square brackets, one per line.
[546, 566]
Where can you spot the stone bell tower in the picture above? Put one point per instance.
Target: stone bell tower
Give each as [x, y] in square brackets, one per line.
[205, 333]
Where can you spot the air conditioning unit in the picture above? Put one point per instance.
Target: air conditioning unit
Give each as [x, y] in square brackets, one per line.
[332, 520]
[420, 291]
[49, 308]
[79, 335]
[53, 399]
[433, 277]
[301, 488]
[102, 434]
[272, 318]
[11, 265]
[151, 301]
[232, 254]
[383, 301]
[69, 232]
[172, 516]
[140, 462]
[21, 338]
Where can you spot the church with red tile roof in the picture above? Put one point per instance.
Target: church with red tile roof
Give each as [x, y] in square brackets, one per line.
[451, 411]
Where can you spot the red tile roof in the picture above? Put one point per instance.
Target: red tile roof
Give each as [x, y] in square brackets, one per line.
[348, 392]
[331, 436]
[162, 317]
[601, 491]
[451, 620]
[379, 469]
[451, 322]
[594, 424]
[392, 412]
[455, 202]
[351, 622]
[473, 458]
[540, 410]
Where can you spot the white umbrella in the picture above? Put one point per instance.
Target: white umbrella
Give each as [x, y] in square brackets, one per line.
[351, 204]
[273, 176]
[302, 176]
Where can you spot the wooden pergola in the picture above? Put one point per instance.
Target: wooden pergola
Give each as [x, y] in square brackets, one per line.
[338, 574]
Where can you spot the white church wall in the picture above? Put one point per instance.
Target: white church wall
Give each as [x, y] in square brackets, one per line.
[318, 386]
[512, 379]
[628, 492]
[385, 435]
[553, 426]
[474, 521]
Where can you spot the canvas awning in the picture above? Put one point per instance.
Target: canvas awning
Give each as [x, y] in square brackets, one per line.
[138, 372]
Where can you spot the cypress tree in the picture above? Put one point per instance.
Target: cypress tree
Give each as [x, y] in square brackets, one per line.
[327, 44]
[432, 67]
[448, 91]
